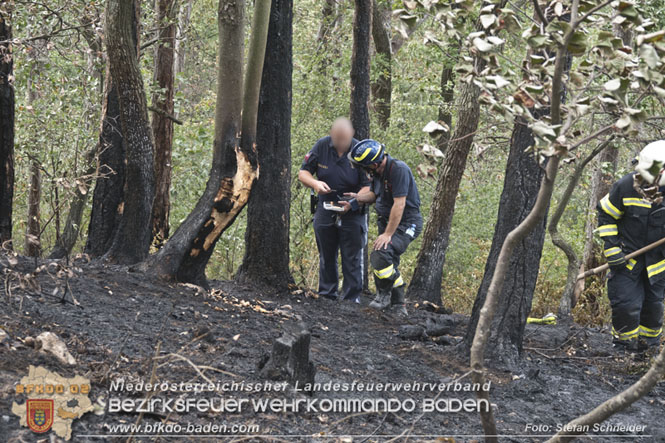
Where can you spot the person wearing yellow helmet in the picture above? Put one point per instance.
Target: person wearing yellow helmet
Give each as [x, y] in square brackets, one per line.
[397, 204]
[631, 216]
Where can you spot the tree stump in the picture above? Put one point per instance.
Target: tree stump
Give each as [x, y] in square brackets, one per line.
[289, 359]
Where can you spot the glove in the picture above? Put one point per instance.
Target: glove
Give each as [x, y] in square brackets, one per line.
[617, 261]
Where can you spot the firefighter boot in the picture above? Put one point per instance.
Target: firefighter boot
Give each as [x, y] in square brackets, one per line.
[397, 302]
[383, 286]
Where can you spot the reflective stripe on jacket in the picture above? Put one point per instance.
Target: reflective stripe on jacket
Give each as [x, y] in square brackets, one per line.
[626, 223]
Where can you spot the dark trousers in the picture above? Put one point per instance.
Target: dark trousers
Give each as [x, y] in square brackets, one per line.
[637, 307]
[348, 238]
[386, 261]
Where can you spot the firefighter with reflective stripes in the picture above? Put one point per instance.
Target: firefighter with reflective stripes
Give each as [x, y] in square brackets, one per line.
[631, 216]
[398, 217]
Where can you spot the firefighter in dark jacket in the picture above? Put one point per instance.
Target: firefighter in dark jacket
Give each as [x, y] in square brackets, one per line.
[398, 217]
[630, 217]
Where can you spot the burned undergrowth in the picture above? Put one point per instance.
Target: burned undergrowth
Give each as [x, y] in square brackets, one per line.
[123, 326]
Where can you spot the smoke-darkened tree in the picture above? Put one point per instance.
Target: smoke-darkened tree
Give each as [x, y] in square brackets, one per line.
[131, 240]
[6, 123]
[266, 258]
[235, 165]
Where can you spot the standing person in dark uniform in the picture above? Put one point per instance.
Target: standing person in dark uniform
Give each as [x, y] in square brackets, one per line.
[399, 220]
[631, 216]
[344, 232]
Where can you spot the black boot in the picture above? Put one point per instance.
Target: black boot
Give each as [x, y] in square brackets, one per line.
[397, 302]
[381, 301]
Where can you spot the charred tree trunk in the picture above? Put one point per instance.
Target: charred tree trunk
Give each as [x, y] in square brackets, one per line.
[6, 124]
[235, 166]
[522, 187]
[32, 236]
[360, 87]
[107, 200]
[382, 87]
[162, 124]
[131, 241]
[108, 196]
[520, 190]
[426, 281]
[266, 258]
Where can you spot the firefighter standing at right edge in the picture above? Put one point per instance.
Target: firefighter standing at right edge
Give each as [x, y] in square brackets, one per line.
[631, 216]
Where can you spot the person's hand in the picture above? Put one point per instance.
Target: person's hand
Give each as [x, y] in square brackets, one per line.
[617, 262]
[346, 204]
[351, 195]
[322, 187]
[382, 241]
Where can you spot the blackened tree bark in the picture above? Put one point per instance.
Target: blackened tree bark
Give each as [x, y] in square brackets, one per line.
[522, 185]
[266, 259]
[426, 281]
[382, 86]
[520, 190]
[107, 199]
[235, 165]
[131, 240]
[6, 123]
[360, 87]
[108, 196]
[162, 124]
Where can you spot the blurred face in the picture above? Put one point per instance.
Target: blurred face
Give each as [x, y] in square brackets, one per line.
[341, 134]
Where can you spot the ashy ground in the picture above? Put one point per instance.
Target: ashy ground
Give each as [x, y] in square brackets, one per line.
[122, 325]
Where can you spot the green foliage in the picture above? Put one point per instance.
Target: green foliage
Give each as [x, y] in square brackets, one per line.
[608, 85]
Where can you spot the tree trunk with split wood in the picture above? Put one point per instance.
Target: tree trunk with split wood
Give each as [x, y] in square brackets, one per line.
[235, 165]
[266, 259]
[7, 106]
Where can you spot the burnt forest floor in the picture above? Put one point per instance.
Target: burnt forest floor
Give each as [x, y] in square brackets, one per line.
[227, 333]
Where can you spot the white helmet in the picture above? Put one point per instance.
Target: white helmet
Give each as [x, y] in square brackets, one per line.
[651, 163]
